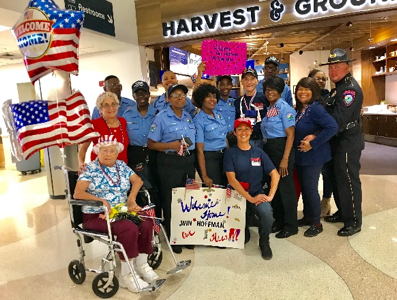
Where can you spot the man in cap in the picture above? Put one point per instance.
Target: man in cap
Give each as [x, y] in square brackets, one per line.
[112, 84]
[345, 102]
[272, 68]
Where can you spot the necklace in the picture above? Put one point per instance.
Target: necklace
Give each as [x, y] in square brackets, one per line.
[108, 177]
[115, 130]
[301, 114]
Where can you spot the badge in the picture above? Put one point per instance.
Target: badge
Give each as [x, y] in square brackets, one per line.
[256, 162]
[333, 93]
[153, 127]
[348, 97]
[290, 117]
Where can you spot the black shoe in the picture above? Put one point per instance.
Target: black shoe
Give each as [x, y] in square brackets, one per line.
[247, 235]
[314, 230]
[176, 249]
[277, 228]
[304, 222]
[264, 245]
[335, 218]
[191, 247]
[349, 230]
[284, 234]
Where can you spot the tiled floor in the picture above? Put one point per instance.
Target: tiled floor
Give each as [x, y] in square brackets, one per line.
[37, 244]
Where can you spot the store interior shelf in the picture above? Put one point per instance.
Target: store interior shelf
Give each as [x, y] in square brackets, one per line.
[385, 74]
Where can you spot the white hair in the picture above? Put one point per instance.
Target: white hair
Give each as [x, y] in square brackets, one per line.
[105, 95]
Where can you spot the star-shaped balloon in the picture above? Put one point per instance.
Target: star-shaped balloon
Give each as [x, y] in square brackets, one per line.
[48, 38]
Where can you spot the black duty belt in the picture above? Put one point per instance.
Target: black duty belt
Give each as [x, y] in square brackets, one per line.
[217, 151]
[349, 126]
[143, 148]
[174, 153]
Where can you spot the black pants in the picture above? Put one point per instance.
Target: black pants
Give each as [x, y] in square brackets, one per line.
[214, 166]
[172, 172]
[308, 179]
[147, 171]
[284, 202]
[347, 176]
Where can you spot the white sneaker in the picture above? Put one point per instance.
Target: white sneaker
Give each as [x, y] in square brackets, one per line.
[128, 281]
[146, 272]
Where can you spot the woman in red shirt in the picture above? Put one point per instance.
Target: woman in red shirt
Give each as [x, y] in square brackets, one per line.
[108, 124]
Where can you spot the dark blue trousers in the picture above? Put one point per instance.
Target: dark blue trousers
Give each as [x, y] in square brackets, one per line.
[308, 179]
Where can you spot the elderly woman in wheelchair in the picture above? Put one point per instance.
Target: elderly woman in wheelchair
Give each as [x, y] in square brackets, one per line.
[108, 180]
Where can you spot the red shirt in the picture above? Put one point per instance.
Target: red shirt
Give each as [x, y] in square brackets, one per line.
[101, 127]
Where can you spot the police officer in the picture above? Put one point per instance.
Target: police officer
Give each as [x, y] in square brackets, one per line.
[346, 100]
[140, 158]
[168, 79]
[112, 84]
[252, 105]
[211, 131]
[272, 68]
[173, 135]
[278, 129]
[226, 104]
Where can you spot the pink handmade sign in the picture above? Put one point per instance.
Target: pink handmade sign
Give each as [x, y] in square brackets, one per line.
[223, 58]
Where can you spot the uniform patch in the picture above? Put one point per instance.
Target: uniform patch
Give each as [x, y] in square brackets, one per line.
[220, 117]
[153, 127]
[189, 120]
[348, 97]
[290, 117]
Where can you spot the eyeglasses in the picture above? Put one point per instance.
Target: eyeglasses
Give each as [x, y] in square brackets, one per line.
[320, 78]
[112, 85]
[178, 95]
[107, 106]
[111, 151]
[269, 68]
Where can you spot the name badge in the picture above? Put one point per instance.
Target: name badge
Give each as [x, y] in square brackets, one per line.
[256, 162]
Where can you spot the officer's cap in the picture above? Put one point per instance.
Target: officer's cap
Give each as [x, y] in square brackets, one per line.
[337, 56]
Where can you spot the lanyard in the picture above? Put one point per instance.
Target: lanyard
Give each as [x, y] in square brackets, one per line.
[245, 103]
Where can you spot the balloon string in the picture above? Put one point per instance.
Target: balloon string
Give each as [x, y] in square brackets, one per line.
[62, 145]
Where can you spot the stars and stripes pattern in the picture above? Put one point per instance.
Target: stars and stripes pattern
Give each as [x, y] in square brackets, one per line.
[156, 222]
[272, 112]
[40, 124]
[63, 51]
[191, 184]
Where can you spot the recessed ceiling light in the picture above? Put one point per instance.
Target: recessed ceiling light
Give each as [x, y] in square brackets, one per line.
[393, 40]
[371, 48]
[4, 28]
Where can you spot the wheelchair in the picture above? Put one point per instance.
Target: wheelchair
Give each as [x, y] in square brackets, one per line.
[105, 284]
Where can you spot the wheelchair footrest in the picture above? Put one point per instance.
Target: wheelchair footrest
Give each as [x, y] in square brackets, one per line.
[155, 285]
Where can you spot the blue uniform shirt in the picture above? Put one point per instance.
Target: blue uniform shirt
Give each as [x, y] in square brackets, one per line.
[286, 94]
[278, 118]
[160, 103]
[138, 127]
[228, 111]
[125, 104]
[167, 127]
[211, 131]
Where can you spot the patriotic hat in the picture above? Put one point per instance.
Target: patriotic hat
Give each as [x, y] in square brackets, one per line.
[240, 121]
[249, 71]
[107, 140]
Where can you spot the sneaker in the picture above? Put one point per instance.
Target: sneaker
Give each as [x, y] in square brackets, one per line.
[314, 230]
[146, 272]
[128, 282]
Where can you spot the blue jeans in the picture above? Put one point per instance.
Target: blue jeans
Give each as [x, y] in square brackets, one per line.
[265, 213]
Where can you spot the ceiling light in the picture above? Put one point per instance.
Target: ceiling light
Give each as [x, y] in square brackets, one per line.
[371, 47]
[394, 40]
[300, 52]
[281, 45]
[349, 24]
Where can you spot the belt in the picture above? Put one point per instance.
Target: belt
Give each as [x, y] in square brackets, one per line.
[350, 126]
[174, 153]
[218, 151]
[143, 148]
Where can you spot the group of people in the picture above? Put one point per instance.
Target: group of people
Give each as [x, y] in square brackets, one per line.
[254, 143]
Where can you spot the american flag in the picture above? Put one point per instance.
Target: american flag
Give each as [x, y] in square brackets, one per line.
[62, 53]
[229, 189]
[272, 112]
[40, 124]
[156, 222]
[191, 184]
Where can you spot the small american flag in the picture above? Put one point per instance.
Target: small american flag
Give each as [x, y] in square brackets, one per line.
[229, 189]
[156, 222]
[180, 152]
[272, 112]
[40, 124]
[192, 184]
[63, 35]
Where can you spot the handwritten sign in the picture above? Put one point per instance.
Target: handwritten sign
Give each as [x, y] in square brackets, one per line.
[223, 58]
[200, 217]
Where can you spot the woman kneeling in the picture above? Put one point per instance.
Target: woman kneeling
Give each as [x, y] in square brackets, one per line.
[248, 166]
[108, 180]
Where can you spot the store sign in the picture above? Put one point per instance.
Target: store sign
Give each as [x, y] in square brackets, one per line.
[200, 24]
[98, 14]
[304, 8]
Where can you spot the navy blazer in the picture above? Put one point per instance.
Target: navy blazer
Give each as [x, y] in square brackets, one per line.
[315, 119]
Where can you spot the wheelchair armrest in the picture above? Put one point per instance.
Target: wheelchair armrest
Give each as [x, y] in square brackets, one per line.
[95, 203]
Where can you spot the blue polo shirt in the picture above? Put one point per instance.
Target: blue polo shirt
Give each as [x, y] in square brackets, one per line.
[125, 104]
[211, 131]
[160, 103]
[279, 117]
[249, 166]
[168, 127]
[286, 94]
[138, 127]
[228, 111]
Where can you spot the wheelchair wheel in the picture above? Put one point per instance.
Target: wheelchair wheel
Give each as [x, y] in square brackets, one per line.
[76, 272]
[154, 260]
[99, 283]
